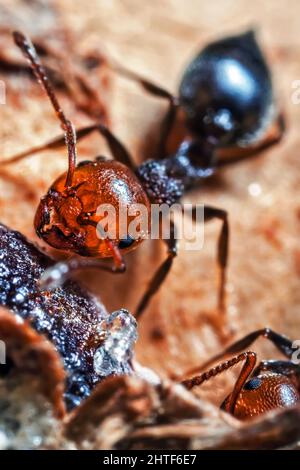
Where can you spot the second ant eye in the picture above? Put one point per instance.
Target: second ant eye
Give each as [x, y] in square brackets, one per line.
[126, 242]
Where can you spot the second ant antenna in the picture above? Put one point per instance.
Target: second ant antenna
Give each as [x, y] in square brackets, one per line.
[29, 52]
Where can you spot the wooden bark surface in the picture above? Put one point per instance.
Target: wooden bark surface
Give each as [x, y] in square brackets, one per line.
[157, 39]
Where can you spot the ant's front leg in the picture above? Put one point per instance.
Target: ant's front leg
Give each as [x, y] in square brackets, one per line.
[162, 272]
[159, 277]
[118, 150]
[282, 343]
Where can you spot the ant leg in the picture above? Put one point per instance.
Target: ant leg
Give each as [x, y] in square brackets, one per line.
[250, 360]
[235, 155]
[223, 243]
[57, 274]
[154, 90]
[282, 343]
[118, 150]
[161, 274]
[163, 270]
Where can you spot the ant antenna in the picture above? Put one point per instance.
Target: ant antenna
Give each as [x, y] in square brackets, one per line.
[30, 53]
[250, 360]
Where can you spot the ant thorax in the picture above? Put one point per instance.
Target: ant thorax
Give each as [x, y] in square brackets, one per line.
[166, 180]
[161, 186]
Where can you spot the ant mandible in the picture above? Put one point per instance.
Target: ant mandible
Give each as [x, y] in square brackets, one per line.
[272, 384]
[66, 216]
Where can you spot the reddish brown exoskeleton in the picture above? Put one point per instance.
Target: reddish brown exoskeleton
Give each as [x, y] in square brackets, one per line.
[272, 384]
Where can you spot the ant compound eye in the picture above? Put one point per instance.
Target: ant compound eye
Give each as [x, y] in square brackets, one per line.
[253, 384]
[126, 242]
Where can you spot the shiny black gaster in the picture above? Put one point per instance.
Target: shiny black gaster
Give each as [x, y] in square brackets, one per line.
[226, 91]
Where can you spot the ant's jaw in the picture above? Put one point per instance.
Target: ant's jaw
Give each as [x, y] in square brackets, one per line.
[52, 228]
[46, 215]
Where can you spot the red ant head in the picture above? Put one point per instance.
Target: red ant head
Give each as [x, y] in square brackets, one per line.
[264, 393]
[70, 216]
[67, 218]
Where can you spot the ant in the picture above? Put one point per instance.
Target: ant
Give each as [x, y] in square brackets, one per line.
[272, 384]
[66, 216]
[238, 102]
